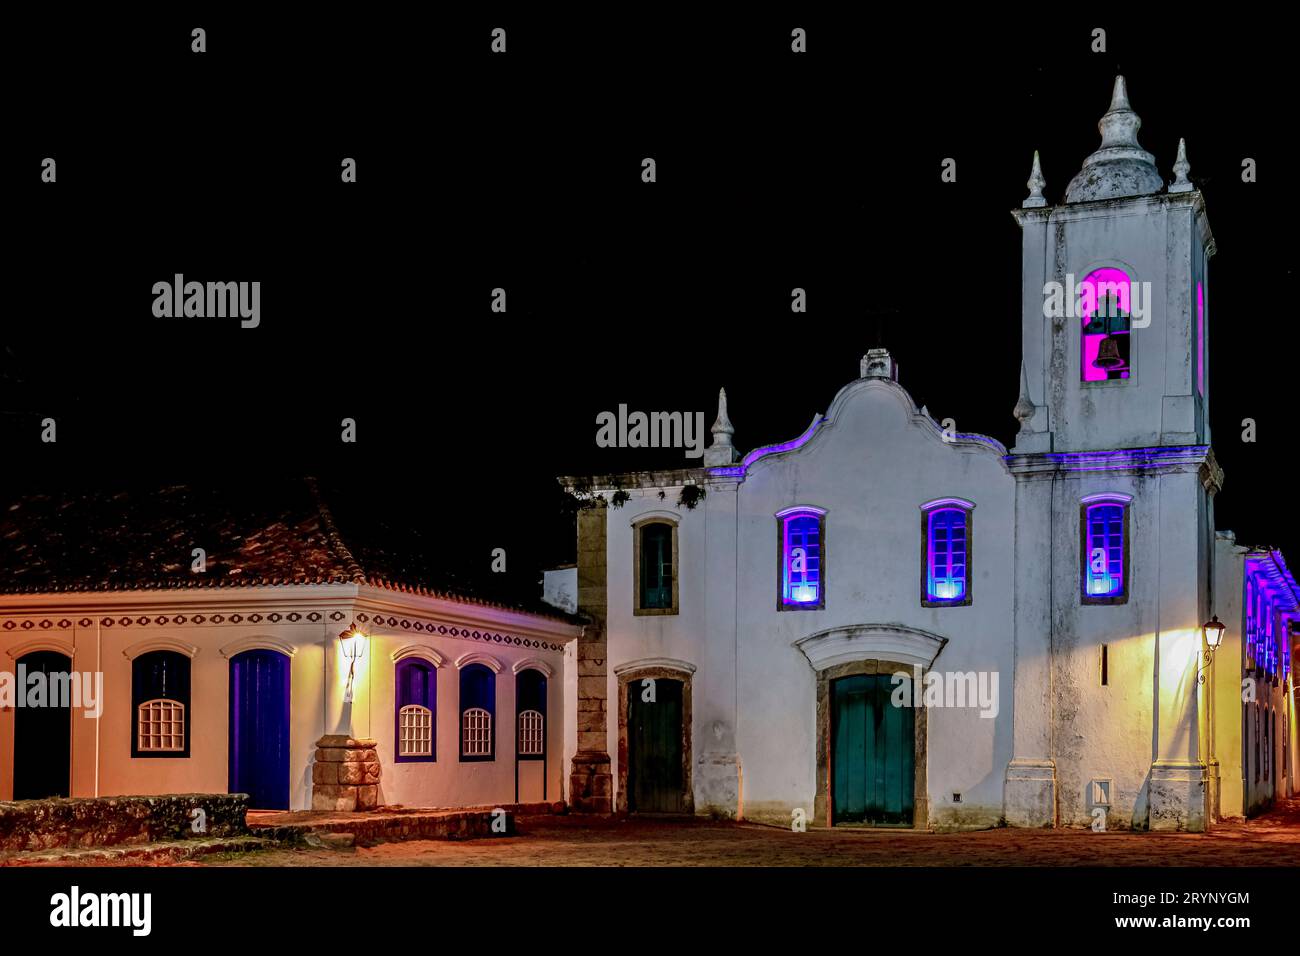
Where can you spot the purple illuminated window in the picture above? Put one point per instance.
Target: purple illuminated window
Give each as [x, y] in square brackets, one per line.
[1104, 554]
[801, 552]
[946, 555]
[1104, 304]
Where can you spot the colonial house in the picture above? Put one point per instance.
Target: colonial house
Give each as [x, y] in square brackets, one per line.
[1053, 610]
[234, 631]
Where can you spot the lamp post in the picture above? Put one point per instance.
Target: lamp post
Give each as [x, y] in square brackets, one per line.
[1212, 634]
[352, 642]
[1212, 630]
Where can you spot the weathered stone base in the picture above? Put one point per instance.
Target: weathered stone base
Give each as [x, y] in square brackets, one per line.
[591, 784]
[110, 821]
[1177, 795]
[345, 775]
[1030, 797]
[717, 785]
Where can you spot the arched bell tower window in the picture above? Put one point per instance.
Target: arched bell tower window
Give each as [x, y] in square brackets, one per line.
[1105, 342]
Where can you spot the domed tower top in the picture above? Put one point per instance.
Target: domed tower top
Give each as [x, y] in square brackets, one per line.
[1120, 167]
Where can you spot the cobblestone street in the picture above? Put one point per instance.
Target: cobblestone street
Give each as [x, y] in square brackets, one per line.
[1269, 840]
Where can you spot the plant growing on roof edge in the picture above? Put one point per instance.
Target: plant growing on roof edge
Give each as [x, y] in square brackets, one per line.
[690, 496]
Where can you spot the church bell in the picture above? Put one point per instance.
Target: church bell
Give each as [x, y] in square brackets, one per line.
[1108, 356]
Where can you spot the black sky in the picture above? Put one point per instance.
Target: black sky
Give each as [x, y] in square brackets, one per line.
[476, 171]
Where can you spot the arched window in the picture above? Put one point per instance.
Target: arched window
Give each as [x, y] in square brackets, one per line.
[946, 533]
[477, 712]
[1105, 339]
[160, 698]
[530, 697]
[1104, 550]
[802, 544]
[416, 702]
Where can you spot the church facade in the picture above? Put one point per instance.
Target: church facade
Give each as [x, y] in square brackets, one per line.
[882, 622]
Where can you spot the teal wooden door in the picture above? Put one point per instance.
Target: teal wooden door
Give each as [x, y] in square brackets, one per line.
[873, 753]
[655, 779]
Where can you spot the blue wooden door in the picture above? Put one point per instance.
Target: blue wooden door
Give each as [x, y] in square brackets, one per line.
[873, 756]
[43, 735]
[259, 728]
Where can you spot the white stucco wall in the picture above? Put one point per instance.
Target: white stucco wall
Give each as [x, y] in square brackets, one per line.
[101, 762]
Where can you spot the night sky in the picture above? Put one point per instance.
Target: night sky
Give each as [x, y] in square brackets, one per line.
[523, 171]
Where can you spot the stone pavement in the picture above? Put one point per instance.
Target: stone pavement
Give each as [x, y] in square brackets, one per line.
[1272, 839]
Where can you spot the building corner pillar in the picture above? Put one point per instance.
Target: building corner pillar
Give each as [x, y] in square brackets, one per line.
[591, 779]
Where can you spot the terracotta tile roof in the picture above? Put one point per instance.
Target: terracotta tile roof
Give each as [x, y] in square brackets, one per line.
[279, 531]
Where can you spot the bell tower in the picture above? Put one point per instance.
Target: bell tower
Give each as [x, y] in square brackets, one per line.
[1115, 302]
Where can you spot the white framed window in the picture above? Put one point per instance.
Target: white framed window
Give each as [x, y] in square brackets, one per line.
[532, 733]
[161, 726]
[476, 732]
[415, 725]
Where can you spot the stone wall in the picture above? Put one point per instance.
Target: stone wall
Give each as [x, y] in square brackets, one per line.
[108, 821]
[345, 775]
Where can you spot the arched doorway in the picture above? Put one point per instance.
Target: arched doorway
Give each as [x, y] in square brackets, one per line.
[654, 738]
[871, 755]
[43, 734]
[259, 728]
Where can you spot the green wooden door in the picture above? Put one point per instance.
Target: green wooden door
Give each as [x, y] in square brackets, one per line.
[654, 748]
[872, 755]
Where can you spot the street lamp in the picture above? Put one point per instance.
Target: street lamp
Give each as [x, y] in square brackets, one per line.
[1212, 630]
[352, 643]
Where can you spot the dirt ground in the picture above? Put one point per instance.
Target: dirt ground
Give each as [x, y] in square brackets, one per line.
[1269, 840]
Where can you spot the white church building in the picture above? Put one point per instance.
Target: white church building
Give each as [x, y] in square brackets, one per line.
[1048, 603]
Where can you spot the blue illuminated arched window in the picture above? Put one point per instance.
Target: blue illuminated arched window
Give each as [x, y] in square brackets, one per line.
[802, 565]
[478, 705]
[416, 704]
[1105, 551]
[946, 553]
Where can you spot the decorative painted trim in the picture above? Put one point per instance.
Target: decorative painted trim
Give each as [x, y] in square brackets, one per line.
[664, 663]
[861, 642]
[478, 657]
[41, 644]
[534, 664]
[258, 642]
[421, 651]
[23, 621]
[454, 630]
[159, 644]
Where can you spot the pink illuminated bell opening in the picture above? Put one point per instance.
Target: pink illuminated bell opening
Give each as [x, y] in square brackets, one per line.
[1094, 288]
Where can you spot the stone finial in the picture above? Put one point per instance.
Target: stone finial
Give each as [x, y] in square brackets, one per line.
[1120, 167]
[1024, 409]
[1182, 167]
[1036, 183]
[878, 363]
[721, 452]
